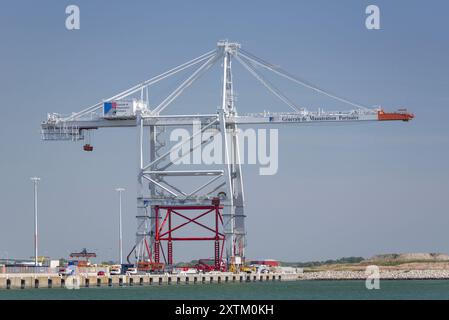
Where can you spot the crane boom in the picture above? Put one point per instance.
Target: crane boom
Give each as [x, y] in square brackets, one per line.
[53, 128]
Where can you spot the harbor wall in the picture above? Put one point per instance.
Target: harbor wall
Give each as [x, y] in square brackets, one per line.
[27, 281]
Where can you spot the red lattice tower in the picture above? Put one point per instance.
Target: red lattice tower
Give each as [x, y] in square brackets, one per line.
[165, 229]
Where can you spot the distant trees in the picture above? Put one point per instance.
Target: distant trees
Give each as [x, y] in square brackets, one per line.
[344, 260]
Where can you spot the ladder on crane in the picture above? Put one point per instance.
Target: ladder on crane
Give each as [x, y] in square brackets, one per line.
[155, 191]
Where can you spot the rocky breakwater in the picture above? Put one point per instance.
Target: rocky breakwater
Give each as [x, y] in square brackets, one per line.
[384, 275]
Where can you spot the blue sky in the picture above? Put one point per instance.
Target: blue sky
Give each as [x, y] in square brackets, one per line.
[341, 190]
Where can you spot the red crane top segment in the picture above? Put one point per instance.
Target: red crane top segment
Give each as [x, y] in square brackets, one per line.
[401, 114]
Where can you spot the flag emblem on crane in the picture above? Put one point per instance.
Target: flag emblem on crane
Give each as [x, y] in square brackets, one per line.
[110, 108]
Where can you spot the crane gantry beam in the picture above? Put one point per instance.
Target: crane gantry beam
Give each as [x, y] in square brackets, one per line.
[155, 192]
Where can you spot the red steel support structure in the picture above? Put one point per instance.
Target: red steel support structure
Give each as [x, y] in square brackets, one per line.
[165, 229]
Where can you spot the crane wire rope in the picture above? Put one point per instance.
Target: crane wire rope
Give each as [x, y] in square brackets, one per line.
[251, 68]
[295, 79]
[148, 82]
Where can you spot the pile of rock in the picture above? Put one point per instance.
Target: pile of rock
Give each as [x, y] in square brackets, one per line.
[386, 275]
[407, 257]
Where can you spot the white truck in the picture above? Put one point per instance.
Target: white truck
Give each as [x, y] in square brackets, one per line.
[115, 270]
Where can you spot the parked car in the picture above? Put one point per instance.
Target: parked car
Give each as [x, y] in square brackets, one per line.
[115, 270]
[61, 272]
[131, 271]
[70, 270]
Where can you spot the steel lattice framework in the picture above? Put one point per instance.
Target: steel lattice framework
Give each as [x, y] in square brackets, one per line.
[155, 192]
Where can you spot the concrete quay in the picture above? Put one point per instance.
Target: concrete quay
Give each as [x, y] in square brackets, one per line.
[30, 281]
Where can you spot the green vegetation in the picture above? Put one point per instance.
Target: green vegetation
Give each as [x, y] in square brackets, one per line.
[344, 260]
[390, 263]
[186, 264]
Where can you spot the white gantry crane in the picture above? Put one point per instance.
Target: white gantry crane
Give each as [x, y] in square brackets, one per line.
[156, 193]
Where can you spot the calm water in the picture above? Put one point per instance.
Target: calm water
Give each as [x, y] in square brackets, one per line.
[410, 289]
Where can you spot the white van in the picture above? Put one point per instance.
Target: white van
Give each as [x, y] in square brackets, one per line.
[115, 270]
[131, 271]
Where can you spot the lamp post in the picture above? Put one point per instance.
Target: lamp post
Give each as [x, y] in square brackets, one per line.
[120, 190]
[35, 181]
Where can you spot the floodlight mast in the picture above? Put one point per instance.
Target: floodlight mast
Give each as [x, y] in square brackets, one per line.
[35, 183]
[155, 192]
[120, 234]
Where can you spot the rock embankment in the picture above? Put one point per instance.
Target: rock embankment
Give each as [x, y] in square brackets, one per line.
[404, 257]
[385, 275]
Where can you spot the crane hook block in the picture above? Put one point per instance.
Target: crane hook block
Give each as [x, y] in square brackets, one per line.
[88, 147]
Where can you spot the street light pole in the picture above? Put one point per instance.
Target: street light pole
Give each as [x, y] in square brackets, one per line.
[35, 181]
[120, 190]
